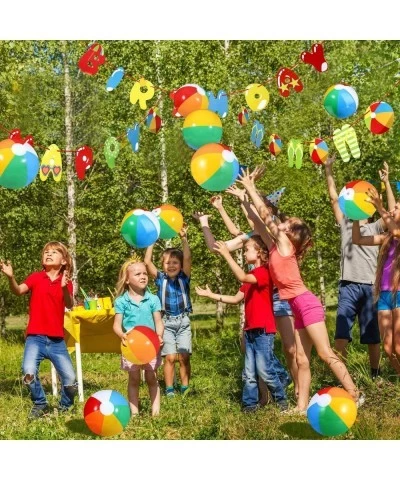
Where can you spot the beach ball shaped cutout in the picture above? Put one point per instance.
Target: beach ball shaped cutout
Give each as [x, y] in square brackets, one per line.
[332, 411]
[275, 144]
[319, 151]
[214, 167]
[379, 117]
[140, 228]
[201, 127]
[171, 221]
[19, 164]
[106, 413]
[142, 345]
[341, 101]
[353, 200]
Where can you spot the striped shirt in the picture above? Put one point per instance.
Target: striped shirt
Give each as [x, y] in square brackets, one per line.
[174, 294]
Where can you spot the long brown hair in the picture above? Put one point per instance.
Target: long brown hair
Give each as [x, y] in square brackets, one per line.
[299, 233]
[394, 274]
[260, 247]
[60, 247]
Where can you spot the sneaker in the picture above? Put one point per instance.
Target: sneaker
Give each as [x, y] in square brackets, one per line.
[185, 391]
[38, 411]
[361, 400]
[62, 409]
[250, 409]
[169, 392]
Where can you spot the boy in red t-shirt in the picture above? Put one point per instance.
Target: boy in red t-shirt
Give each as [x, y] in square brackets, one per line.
[259, 328]
[51, 292]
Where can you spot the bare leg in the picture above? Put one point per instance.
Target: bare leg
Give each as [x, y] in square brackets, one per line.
[285, 326]
[386, 330]
[133, 391]
[184, 368]
[303, 355]
[169, 369]
[396, 334]
[374, 352]
[154, 391]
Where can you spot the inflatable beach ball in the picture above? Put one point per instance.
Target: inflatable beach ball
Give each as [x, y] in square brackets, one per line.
[379, 117]
[140, 228]
[332, 411]
[171, 221]
[106, 413]
[275, 144]
[214, 167]
[187, 99]
[142, 345]
[19, 164]
[201, 127]
[341, 101]
[353, 200]
[318, 151]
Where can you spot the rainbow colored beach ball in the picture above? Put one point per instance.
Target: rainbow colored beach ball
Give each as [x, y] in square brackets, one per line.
[171, 221]
[19, 164]
[379, 117]
[187, 99]
[214, 167]
[140, 228]
[106, 413]
[332, 411]
[201, 127]
[353, 200]
[275, 144]
[341, 101]
[318, 151]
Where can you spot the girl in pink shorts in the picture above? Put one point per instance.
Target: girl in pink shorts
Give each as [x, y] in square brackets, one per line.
[287, 244]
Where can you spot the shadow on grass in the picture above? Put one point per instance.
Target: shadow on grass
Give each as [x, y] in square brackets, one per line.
[79, 426]
[299, 431]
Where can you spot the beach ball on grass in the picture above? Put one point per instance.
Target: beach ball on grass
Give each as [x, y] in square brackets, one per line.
[214, 167]
[353, 200]
[171, 221]
[201, 127]
[319, 151]
[341, 101]
[142, 345]
[379, 117]
[140, 228]
[332, 411]
[19, 164]
[187, 99]
[106, 413]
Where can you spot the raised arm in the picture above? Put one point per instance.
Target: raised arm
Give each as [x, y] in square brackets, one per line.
[232, 299]
[384, 176]
[151, 268]
[239, 273]
[368, 240]
[333, 195]
[187, 256]
[242, 196]
[375, 199]
[7, 269]
[216, 202]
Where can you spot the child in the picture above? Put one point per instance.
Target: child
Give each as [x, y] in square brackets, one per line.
[259, 328]
[387, 283]
[134, 306]
[173, 290]
[287, 244]
[51, 292]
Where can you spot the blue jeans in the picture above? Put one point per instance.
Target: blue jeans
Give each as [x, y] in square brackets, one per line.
[260, 361]
[38, 348]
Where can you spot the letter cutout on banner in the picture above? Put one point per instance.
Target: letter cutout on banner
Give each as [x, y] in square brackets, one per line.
[133, 137]
[346, 136]
[115, 79]
[315, 58]
[288, 79]
[257, 96]
[92, 59]
[137, 94]
[257, 133]
[83, 161]
[295, 153]
[15, 135]
[218, 104]
[51, 162]
[111, 151]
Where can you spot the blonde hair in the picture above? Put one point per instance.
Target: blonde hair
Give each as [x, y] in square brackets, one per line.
[60, 247]
[123, 274]
[299, 233]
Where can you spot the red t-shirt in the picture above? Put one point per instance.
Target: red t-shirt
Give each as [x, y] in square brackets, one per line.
[46, 306]
[258, 301]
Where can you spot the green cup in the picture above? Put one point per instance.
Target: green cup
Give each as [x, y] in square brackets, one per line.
[93, 304]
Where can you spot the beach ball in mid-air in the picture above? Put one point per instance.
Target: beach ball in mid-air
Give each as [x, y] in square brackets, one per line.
[275, 144]
[214, 167]
[353, 200]
[332, 411]
[106, 413]
[379, 117]
[201, 127]
[19, 164]
[319, 151]
[142, 345]
[187, 99]
[171, 221]
[341, 101]
[140, 228]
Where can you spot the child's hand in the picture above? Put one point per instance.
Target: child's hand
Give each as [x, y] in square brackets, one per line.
[221, 248]
[198, 215]
[65, 279]
[6, 268]
[330, 160]
[258, 172]
[237, 192]
[123, 339]
[374, 198]
[183, 231]
[384, 173]
[216, 201]
[246, 179]
[203, 292]
[160, 338]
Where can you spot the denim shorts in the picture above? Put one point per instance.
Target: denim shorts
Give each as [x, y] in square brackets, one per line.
[281, 307]
[385, 301]
[177, 335]
[356, 299]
